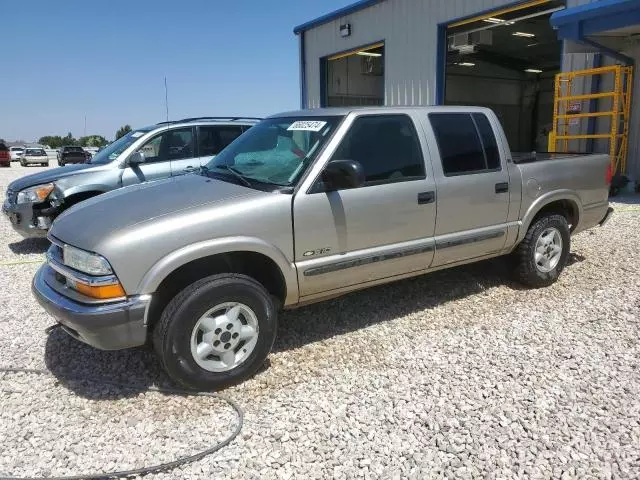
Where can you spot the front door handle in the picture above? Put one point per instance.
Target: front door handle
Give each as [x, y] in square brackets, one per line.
[502, 187]
[426, 197]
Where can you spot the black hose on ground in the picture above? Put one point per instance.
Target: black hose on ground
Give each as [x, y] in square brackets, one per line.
[143, 470]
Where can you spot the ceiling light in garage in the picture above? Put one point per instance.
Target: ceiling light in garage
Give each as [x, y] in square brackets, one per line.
[523, 34]
[369, 54]
[533, 70]
[498, 21]
[466, 64]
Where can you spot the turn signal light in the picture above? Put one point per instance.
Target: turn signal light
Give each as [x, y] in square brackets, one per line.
[609, 174]
[102, 292]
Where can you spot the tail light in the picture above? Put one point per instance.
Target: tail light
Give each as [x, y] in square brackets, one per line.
[609, 175]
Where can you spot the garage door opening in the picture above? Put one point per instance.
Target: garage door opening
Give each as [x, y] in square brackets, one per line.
[354, 78]
[507, 61]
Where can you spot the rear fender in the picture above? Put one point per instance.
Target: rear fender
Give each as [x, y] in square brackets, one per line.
[542, 202]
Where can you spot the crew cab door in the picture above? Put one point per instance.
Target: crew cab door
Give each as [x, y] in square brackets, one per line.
[379, 230]
[473, 186]
[160, 151]
[212, 139]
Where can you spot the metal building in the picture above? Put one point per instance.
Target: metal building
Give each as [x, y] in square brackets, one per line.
[496, 53]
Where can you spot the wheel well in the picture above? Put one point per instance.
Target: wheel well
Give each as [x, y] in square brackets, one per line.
[566, 208]
[255, 265]
[79, 197]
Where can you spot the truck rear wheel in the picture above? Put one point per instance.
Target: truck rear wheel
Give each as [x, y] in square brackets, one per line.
[543, 253]
[216, 332]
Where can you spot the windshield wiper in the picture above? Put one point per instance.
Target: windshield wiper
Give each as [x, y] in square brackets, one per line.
[235, 172]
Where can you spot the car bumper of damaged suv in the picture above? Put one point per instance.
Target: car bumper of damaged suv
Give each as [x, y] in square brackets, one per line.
[106, 326]
[29, 220]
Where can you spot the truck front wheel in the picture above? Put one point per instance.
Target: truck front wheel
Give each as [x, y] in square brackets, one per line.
[216, 332]
[543, 253]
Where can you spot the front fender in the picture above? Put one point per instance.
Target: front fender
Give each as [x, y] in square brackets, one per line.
[68, 191]
[159, 271]
[544, 200]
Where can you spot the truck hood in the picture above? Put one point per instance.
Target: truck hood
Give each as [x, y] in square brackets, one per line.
[48, 176]
[91, 222]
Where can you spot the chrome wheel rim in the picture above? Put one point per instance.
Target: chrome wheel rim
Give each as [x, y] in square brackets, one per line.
[224, 337]
[548, 250]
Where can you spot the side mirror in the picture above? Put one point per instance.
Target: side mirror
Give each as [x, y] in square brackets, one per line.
[342, 174]
[136, 158]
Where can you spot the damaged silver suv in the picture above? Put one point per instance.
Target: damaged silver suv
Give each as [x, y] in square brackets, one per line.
[165, 150]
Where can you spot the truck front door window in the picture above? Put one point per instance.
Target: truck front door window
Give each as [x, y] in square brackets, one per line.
[386, 146]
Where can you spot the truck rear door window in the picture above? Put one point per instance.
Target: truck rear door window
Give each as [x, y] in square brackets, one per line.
[386, 146]
[488, 141]
[459, 141]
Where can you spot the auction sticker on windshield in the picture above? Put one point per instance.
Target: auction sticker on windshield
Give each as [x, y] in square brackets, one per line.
[307, 125]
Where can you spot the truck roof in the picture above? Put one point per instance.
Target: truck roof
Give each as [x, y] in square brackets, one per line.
[339, 111]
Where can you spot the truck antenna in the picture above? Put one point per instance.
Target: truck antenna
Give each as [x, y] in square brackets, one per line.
[166, 97]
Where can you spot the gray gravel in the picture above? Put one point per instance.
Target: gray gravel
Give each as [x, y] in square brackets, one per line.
[460, 374]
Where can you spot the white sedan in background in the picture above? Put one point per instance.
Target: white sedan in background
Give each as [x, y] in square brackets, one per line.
[16, 153]
[34, 156]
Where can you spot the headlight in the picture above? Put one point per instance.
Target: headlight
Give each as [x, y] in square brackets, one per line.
[85, 262]
[35, 194]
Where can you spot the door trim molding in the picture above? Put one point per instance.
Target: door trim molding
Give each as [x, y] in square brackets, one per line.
[481, 237]
[368, 259]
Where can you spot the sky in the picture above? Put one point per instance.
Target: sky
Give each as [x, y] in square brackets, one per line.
[107, 59]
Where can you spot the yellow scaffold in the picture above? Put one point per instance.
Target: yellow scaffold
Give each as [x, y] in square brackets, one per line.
[568, 112]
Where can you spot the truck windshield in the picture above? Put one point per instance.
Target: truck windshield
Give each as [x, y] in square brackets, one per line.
[276, 151]
[113, 150]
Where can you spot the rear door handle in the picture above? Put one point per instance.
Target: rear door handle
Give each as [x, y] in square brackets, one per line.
[426, 197]
[188, 169]
[502, 187]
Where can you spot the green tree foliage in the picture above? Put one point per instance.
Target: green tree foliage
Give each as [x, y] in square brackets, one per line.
[56, 141]
[122, 131]
[93, 141]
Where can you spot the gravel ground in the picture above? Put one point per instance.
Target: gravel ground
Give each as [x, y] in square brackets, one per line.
[459, 374]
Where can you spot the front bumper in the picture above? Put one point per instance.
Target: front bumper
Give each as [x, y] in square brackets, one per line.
[107, 326]
[26, 220]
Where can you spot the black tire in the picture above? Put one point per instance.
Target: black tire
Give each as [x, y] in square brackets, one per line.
[526, 270]
[22, 164]
[61, 164]
[172, 334]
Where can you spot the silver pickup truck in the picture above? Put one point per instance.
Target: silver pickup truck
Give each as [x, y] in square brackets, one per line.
[305, 206]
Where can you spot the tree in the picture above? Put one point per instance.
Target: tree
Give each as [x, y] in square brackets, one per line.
[92, 141]
[122, 131]
[55, 141]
